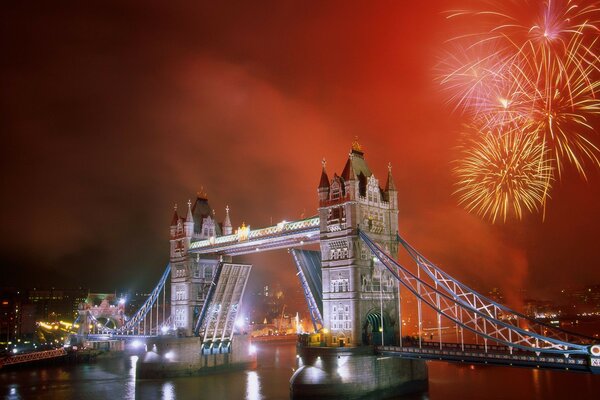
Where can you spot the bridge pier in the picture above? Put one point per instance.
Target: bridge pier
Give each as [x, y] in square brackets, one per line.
[181, 356]
[354, 372]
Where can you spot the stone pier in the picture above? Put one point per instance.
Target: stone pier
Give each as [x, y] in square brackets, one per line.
[181, 356]
[353, 373]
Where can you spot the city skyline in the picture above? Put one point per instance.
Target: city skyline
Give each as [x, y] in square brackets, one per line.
[110, 121]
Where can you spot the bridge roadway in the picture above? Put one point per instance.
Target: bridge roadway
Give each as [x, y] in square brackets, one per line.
[494, 355]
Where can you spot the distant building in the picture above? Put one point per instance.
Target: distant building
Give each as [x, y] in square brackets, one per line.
[56, 304]
[17, 317]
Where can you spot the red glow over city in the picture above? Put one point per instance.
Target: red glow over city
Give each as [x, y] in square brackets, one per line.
[114, 113]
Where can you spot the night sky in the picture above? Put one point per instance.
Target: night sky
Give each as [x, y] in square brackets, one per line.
[111, 112]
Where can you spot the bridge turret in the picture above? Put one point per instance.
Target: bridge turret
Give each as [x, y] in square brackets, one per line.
[174, 221]
[176, 233]
[390, 189]
[227, 228]
[189, 222]
[323, 189]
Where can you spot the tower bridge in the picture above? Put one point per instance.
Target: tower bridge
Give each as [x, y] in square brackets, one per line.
[352, 284]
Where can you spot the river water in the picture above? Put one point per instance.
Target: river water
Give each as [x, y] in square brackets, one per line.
[115, 379]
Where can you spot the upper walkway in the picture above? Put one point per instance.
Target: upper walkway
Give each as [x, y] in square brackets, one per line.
[245, 240]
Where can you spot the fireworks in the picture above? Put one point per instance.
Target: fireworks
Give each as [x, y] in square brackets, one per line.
[503, 173]
[531, 68]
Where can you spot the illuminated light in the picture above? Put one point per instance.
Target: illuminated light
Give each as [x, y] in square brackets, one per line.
[15, 350]
[325, 330]
[164, 329]
[121, 301]
[504, 102]
[239, 322]
[243, 232]
[136, 344]
[170, 355]
[252, 349]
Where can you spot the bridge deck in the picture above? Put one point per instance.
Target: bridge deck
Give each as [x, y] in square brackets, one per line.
[476, 354]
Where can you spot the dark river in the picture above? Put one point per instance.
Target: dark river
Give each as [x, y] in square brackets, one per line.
[115, 379]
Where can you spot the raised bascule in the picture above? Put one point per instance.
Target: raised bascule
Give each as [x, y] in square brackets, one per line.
[352, 285]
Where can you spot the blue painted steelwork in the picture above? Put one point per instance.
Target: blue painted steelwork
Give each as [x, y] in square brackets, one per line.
[462, 292]
[461, 313]
[148, 304]
[132, 323]
[308, 264]
[496, 355]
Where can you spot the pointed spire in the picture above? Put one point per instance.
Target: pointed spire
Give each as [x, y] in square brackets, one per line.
[227, 229]
[390, 180]
[324, 183]
[175, 218]
[349, 174]
[189, 217]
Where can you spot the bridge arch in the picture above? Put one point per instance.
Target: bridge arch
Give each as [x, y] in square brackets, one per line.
[374, 325]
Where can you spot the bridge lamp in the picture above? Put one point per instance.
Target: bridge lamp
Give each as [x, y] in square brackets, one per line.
[121, 301]
[252, 349]
[164, 329]
[239, 322]
[136, 344]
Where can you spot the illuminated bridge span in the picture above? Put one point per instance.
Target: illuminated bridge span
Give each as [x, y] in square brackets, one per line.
[281, 236]
[353, 285]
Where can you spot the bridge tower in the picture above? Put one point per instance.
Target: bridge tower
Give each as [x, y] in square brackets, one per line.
[357, 290]
[191, 276]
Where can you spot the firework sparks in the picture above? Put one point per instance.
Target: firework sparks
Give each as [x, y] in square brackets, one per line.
[530, 68]
[503, 174]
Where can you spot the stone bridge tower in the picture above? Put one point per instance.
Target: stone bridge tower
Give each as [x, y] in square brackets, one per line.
[357, 288]
[191, 276]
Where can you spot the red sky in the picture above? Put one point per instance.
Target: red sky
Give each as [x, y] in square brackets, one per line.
[112, 112]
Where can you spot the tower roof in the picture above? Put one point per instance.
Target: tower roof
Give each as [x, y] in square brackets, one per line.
[200, 210]
[356, 165]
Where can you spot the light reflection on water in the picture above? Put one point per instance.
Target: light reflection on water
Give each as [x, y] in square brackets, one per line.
[116, 379]
[253, 386]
